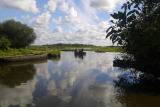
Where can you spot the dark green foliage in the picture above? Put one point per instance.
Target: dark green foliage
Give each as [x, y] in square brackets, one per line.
[138, 30]
[21, 35]
[4, 43]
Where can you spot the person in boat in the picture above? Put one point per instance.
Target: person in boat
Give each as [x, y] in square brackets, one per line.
[82, 50]
[76, 51]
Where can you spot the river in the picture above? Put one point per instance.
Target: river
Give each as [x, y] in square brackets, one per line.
[76, 81]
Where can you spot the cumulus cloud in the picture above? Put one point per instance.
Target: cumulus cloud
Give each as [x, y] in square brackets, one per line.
[72, 16]
[71, 19]
[41, 21]
[57, 29]
[96, 17]
[64, 7]
[105, 5]
[24, 5]
[92, 34]
[52, 5]
[57, 21]
[25, 17]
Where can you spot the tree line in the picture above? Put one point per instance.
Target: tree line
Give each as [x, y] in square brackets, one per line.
[69, 45]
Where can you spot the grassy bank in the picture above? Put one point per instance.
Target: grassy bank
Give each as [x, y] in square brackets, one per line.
[72, 48]
[12, 52]
[110, 49]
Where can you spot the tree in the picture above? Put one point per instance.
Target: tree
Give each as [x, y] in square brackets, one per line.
[138, 31]
[4, 43]
[21, 35]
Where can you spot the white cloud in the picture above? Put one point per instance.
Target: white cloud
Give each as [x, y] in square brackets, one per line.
[73, 12]
[92, 34]
[64, 7]
[52, 5]
[25, 17]
[57, 29]
[72, 17]
[24, 5]
[96, 17]
[41, 21]
[106, 5]
[57, 21]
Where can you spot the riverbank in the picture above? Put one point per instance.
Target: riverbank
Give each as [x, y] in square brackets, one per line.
[25, 54]
[98, 50]
[72, 48]
[15, 52]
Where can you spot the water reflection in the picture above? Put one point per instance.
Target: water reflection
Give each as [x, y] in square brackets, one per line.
[54, 58]
[73, 82]
[104, 94]
[79, 56]
[137, 88]
[12, 76]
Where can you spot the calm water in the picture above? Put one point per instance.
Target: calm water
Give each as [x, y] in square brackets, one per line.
[76, 81]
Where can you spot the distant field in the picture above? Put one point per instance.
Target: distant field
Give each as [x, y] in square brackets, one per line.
[62, 48]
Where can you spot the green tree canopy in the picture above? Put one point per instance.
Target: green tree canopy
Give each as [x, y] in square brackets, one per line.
[138, 30]
[21, 35]
[4, 43]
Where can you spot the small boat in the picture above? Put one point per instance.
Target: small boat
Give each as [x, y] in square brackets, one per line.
[80, 53]
[23, 57]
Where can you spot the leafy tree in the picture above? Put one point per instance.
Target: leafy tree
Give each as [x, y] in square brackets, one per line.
[21, 35]
[4, 43]
[138, 30]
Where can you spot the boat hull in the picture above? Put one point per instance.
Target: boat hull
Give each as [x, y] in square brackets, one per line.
[77, 53]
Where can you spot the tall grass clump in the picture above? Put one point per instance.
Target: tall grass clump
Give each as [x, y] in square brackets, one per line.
[54, 54]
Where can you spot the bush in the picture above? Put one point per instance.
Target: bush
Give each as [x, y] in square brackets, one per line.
[54, 54]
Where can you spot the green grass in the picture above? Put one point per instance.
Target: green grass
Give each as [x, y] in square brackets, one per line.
[12, 52]
[109, 50]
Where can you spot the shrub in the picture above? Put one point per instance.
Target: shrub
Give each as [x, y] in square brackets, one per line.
[54, 54]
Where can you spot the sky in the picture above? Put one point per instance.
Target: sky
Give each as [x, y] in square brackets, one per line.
[64, 21]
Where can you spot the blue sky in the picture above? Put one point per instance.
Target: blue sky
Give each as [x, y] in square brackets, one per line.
[63, 21]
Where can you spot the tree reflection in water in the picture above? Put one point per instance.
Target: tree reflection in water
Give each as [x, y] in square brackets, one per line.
[12, 76]
[137, 89]
[54, 58]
